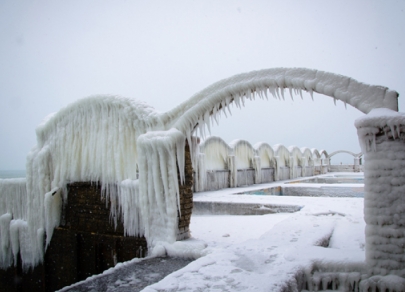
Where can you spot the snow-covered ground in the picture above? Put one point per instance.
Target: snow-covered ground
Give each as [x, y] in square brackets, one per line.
[265, 252]
[262, 252]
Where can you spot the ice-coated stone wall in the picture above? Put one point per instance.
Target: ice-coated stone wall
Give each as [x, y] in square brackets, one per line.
[382, 138]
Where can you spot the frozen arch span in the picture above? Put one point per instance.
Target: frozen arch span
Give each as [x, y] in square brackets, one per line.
[110, 140]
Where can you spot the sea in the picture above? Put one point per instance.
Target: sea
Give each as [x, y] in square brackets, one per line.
[12, 173]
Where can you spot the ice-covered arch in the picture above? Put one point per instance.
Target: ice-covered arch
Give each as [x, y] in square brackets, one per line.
[243, 158]
[244, 153]
[283, 162]
[264, 160]
[358, 155]
[196, 111]
[316, 156]
[266, 154]
[307, 160]
[216, 152]
[295, 161]
[213, 155]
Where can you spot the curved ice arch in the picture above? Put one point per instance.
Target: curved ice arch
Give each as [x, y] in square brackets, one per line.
[323, 153]
[307, 156]
[216, 152]
[266, 154]
[205, 106]
[282, 156]
[307, 160]
[355, 155]
[316, 156]
[295, 160]
[244, 153]
[296, 156]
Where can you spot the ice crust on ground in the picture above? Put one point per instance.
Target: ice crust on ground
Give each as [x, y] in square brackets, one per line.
[103, 139]
[271, 252]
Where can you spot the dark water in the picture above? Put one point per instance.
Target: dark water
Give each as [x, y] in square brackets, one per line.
[12, 173]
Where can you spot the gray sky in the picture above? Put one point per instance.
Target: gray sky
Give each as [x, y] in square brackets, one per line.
[162, 52]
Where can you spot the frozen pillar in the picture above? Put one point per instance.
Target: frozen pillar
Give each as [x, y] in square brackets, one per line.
[257, 165]
[233, 172]
[292, 168]
[356, 164]
[382, 139]
[324, 165]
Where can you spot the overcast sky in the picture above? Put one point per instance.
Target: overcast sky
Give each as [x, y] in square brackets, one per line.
[53, 53]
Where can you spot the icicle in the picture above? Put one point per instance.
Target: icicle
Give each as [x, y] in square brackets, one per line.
[291, 94]
[228, 102]
[393, 131]
[259, 92]
[207, 121]
[282, 93]
[278, 93]
[248, 94]
[300, 91]
[311, 93]
[334, 100]
[265, 93]
[223, 108]
[243, 100]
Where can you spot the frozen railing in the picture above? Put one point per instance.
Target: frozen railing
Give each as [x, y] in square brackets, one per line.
[221, 165]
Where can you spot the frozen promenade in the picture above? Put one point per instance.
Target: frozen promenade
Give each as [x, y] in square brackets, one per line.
[251, 252]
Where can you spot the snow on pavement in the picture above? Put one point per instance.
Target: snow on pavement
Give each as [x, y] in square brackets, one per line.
[266, 252]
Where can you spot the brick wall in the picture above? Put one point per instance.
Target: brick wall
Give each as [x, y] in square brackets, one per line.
[186, 197]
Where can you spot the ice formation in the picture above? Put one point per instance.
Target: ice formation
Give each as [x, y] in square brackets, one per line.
[111, 140]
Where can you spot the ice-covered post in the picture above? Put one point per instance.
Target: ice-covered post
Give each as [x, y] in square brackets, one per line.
[382, 138]
[257, 165]
[356, 164]
[292, 168]
[233, 172]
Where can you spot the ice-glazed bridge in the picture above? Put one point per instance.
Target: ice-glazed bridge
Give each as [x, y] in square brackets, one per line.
[114, 140]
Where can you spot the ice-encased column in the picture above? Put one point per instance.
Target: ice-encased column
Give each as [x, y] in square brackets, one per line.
[356, 164]
[382, 139]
